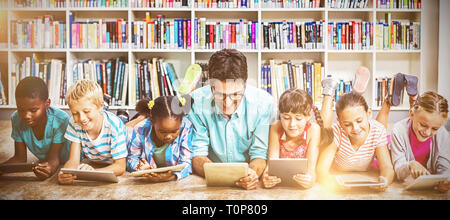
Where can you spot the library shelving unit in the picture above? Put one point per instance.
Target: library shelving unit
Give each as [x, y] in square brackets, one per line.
[339, 63]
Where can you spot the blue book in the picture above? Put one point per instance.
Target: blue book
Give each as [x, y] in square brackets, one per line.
[172, 76]
[98, 73]
[269, 79]
[108, 77]
[180, 33]
[262, 76]
[175, 31]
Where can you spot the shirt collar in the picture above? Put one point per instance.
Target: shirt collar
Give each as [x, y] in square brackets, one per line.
[239, 111]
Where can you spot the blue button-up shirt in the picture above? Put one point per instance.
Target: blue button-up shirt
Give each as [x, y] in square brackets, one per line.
[242, 137]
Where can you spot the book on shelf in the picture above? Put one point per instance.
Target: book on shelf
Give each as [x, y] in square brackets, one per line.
[104, 34]
[241, 34]
[347, 3]
[350, 35]
[397, 35]
[39, 3]
[52, 71]
[98, 3]
[41, 32]
[160, 3]
[112, 75]
[345, 86]
[399, 4]
[291, 4]
[226, 3]
[153, 78]
[277, 78]
[161, 33]
[292, 35]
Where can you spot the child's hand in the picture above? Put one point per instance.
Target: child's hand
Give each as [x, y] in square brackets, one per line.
[160, 177]
[143, 165]
[66, 178]
[443, 186]
[383, 187]
[417, 169]
[44, 170]
[270, 181]
[305, 180]
[84, 166]
[250, 181]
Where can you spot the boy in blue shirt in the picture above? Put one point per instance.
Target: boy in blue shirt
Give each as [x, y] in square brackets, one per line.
[38, 127]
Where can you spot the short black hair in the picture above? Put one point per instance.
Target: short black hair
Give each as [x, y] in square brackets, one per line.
[32, 87]
[228, 64]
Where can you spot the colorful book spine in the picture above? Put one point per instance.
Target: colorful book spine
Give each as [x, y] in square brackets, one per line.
[99, 34]
[160, 3]
[292, 35]
[351, 35]
[98, 3]
[398, 35]
[38, 33]
[291, 4]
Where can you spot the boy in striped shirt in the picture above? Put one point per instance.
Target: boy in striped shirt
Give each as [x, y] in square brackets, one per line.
[98, 137]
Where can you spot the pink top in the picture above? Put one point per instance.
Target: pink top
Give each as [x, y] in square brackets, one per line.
[421, 150]
[300, 151]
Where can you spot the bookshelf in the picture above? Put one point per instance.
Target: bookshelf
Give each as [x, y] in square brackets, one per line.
[339, 63]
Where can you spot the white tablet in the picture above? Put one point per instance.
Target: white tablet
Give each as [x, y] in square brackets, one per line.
[357, 180]
[93, 175]
[426, 182]
[286, 168]
[224, 174]
[178, 167]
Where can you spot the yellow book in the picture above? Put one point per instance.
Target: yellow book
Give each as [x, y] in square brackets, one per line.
[155, 79]
[317, 82]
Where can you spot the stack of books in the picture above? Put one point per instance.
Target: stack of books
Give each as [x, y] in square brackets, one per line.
[161, 33]
[352, 35]
[226, 3]
[160, 3]
[98, 3]
[221, 35]
[348, 3]
[98, 34]
[291, 3]
[277, 78]
[293, 35]
[400, 4]
[39, 33]
[39, 3]
[397, 35]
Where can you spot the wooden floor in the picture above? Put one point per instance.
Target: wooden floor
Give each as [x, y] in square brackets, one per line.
[26, 186]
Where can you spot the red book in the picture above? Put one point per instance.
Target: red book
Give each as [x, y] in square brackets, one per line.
[233, 33]
[294, 34]
[189, 34]
[119, 32]
[184, 34]
[104, 77]
[211, 36]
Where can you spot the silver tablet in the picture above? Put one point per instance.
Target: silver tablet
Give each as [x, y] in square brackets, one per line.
[426, 182]
[93, 175]
[286, 168]
[224, 174]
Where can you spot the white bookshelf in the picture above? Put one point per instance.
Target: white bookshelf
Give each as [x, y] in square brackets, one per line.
[342, 63]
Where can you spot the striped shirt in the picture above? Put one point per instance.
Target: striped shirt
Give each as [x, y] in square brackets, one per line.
[110, 145]
[349, 159]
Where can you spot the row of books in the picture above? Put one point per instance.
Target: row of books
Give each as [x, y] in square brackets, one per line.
[153, 78]
[161, 33]
[112, 75]
[41, 32]
[290, 3]
[277, 78]
[352, 35]
[397, 35]
[348, 3]
[401, 4]
[292, 35]
[98, 3]
[226, 3]
[40, 3]
[99, 34]
[160, 3]
[52, 71]
[220, 35]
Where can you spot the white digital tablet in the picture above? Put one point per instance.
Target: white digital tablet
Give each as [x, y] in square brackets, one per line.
[178, 167]
[93, 175]
[357, 180]
[286, 168]
[426, 182]
[224, 174]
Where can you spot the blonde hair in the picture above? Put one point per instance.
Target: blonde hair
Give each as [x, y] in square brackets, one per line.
[85, 89]
[432, 102]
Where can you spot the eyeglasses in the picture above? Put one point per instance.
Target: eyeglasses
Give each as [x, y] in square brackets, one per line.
[233, 96]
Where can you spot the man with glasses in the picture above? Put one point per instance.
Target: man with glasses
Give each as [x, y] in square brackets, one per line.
[231, 119]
